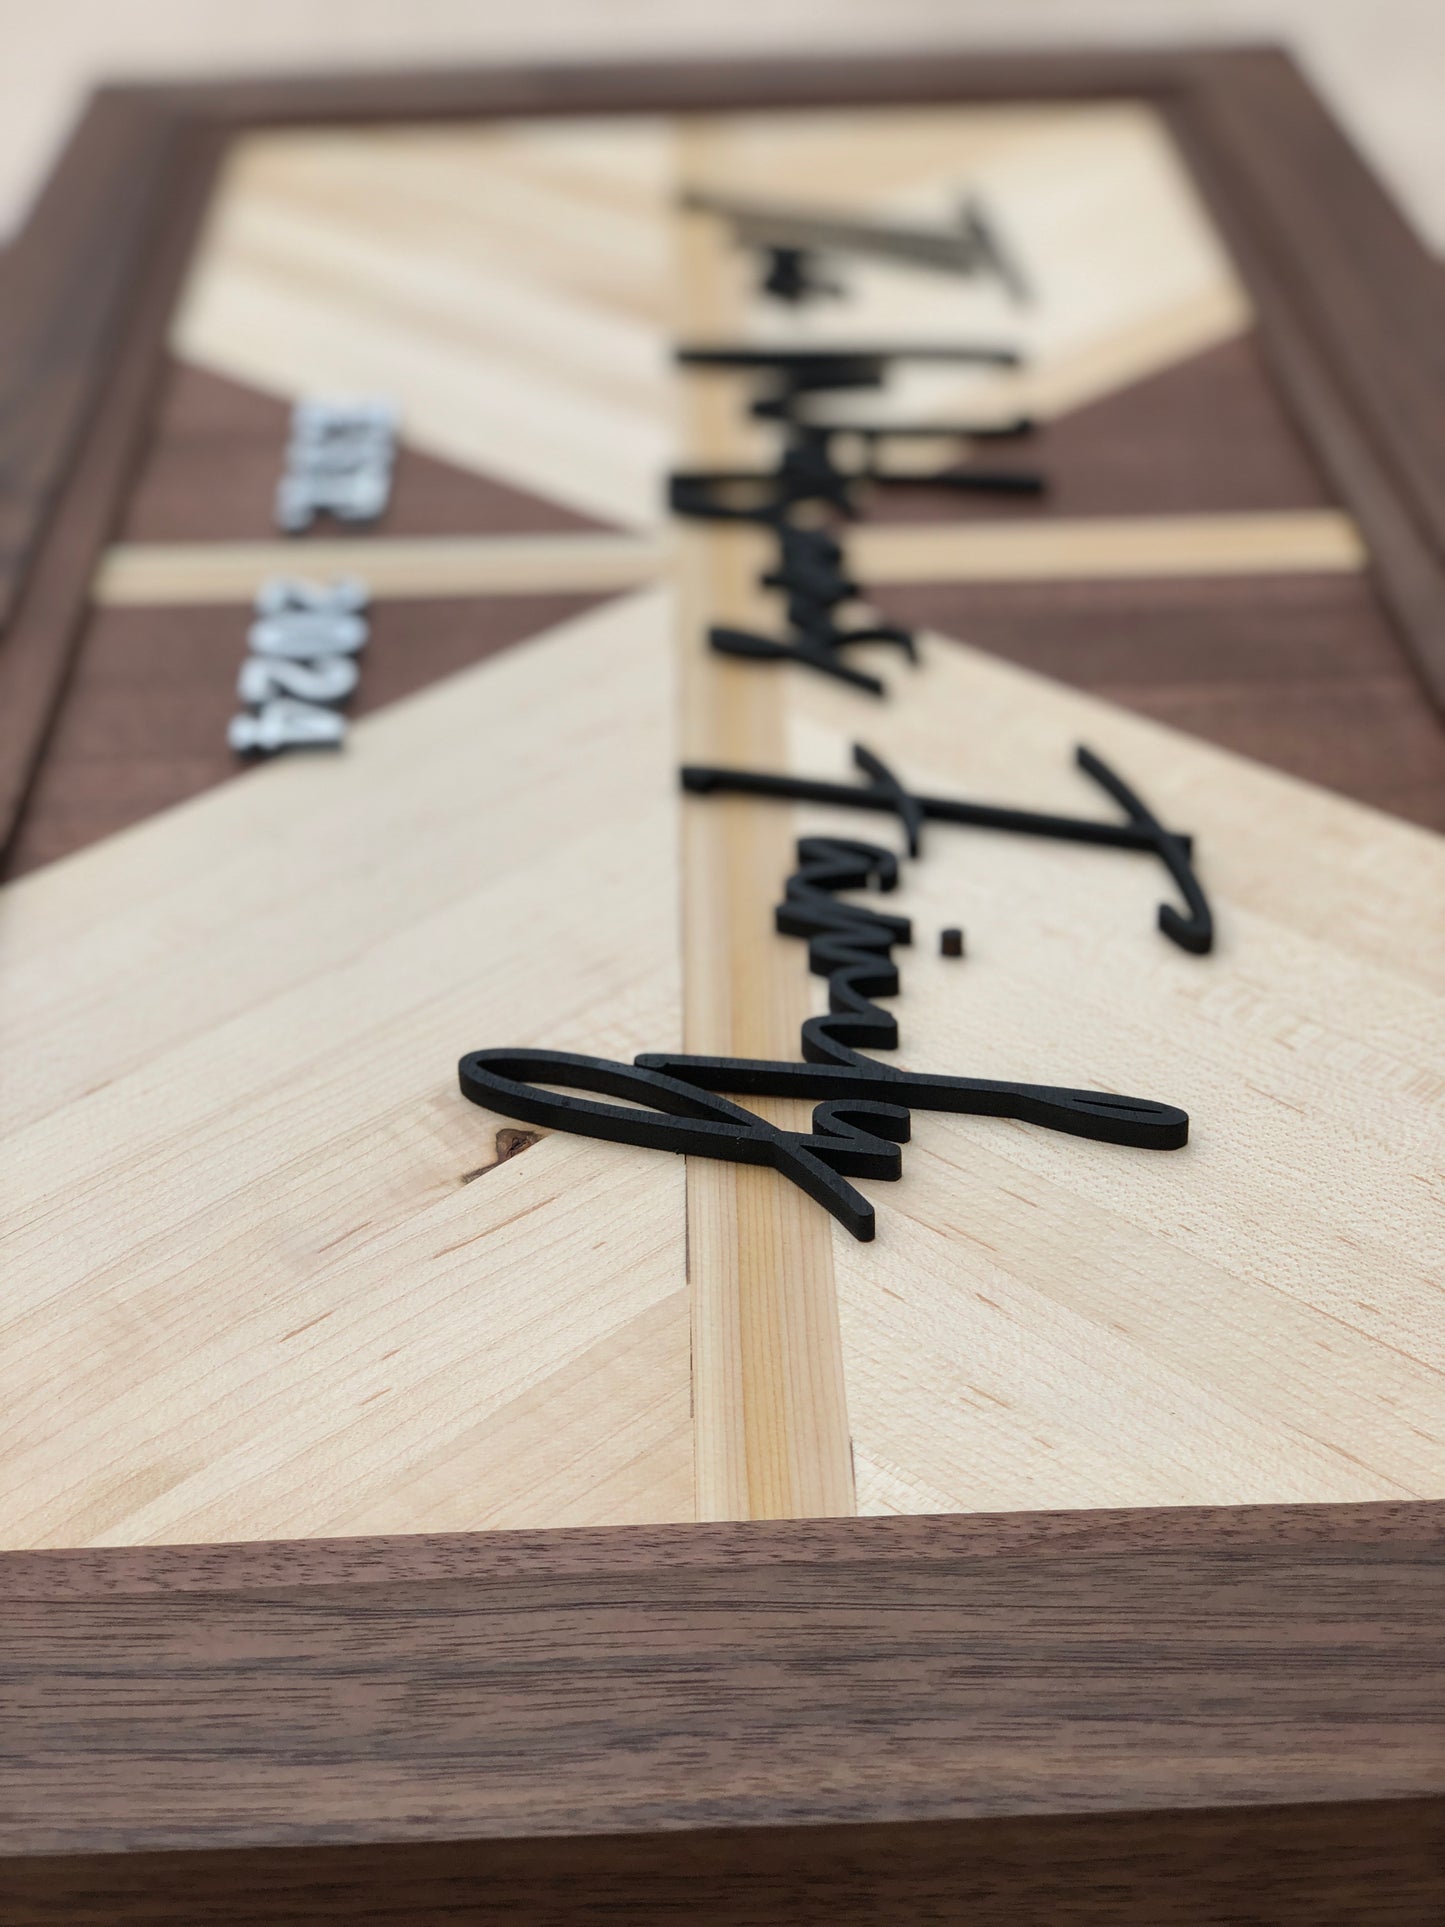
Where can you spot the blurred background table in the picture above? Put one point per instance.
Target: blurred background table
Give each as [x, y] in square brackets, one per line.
[1378, 62]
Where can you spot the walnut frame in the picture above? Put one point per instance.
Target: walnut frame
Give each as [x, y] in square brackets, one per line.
[1152, 1715]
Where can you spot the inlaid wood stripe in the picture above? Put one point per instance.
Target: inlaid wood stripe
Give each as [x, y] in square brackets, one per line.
[1284, 542]
[156, 573]
[771, 1435]
[1121, 547]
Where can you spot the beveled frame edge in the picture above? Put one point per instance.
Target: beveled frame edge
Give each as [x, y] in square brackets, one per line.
[899, 1698]
[1348, 318]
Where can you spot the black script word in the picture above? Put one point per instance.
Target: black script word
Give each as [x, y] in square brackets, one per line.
[864, 1115]
[810, 476]
[788, 237]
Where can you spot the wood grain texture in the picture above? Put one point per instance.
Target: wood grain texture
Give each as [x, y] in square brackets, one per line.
[1090, 1690]
[770, 1408]
[308, 1300]
[1284, 1668]
[646, 87]
[86, 292]
[1109, 548]
[66, 282]
[143, 726]
[1353, 259]
[160, 575]
[1264, 186]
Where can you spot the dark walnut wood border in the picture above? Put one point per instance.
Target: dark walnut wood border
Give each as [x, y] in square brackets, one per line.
[1141, 1717]
[1154, 1717]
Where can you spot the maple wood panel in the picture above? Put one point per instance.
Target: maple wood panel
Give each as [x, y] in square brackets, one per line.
[296, 1291]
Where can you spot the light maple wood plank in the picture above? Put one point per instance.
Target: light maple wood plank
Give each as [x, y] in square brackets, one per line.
[282, 1308]
[1260, 1316]
[518, 326]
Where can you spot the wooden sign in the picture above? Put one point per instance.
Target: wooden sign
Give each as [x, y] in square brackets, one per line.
[877, 628]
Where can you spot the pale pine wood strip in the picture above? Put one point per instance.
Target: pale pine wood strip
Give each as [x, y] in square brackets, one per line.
[1306, 541]
[771, 1427]
[160, 574]
[1119, 547]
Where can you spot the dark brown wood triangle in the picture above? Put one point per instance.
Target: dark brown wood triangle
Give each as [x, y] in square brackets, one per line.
[1207, 436]
[143, 726]
[1300, 671]
[214, 457]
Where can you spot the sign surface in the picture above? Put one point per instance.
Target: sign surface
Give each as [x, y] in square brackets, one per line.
[308, 1291]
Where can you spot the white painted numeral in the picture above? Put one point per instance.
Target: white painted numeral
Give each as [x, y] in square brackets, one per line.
[303, 637]
[327, 679]
[285, 723]
[303, 620]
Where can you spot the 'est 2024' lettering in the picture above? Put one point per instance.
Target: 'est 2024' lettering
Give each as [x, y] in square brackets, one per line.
[304, 644]
[339, 461]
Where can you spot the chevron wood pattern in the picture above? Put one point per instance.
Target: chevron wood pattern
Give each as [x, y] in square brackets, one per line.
[272, 1276]
[289, 1216]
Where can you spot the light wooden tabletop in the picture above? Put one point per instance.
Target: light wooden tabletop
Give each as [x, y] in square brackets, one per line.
[1377, 61]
